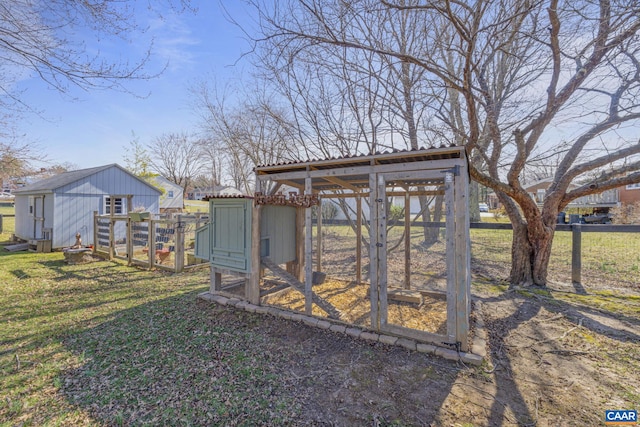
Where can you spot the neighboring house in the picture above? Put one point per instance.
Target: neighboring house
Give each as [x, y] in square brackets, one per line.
[172, 198]
[58, 207]
[629, 194]
[601, 201]
[217, 190]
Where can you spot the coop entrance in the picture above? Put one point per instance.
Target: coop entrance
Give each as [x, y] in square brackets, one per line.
[411, 242]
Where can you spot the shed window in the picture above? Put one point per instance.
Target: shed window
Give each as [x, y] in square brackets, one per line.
[116, 202]
[170, 194]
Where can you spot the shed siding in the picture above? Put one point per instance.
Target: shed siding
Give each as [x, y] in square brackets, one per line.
[76, 202]
[69, 210]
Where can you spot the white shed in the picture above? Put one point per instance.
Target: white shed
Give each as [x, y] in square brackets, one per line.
[56, 208]
[172, 198]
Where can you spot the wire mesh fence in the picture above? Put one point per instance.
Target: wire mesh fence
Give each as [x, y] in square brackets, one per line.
[609, 258]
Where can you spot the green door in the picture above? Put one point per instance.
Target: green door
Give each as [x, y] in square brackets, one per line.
[231, 234]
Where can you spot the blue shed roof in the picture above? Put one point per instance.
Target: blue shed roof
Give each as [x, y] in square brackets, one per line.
[65, 178]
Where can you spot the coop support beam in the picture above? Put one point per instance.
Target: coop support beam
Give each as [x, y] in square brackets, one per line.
[450, 255]
[252, 285]
[308, 261]
[373, 251]
[319, 237]
[462, 259]
[359, 240]
[407, 241]
[381, 245]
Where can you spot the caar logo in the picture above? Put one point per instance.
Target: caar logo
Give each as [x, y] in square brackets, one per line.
[620, 418]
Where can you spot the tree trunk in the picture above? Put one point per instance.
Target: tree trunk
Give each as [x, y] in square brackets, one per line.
[531, 253]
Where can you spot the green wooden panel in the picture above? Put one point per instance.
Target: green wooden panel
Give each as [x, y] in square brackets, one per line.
[231, 234]
[203, 242]
[278, 233]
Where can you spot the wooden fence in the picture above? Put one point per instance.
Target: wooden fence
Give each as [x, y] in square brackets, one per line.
[154, 242]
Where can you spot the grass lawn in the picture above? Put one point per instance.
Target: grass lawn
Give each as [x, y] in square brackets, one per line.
[107, 344]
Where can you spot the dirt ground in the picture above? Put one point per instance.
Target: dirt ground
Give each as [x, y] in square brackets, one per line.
[555, 357]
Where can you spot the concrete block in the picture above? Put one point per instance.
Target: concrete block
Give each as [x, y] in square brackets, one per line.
[406, 343]
[323, 324]
[426, 348]
[388, 339]
[353, 332]
[369, 336]
[311, 321]
[338, 328]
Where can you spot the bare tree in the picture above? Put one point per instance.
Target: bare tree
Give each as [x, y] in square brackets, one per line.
[42, 39]
[177, 157]
[510, 80]
[255, 131]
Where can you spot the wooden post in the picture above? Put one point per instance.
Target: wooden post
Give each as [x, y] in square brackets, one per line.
[215, 280]
[373, 251]
[308, 255]
[359, 240]
[300, 239]
[179, 240]
[381, 246]
[319, 237]
[252, 285]
[407, 241]
[95, 231]
[129, 242]
[152, 243]
[450, 255]
[462, 258]
[576, 249]
[112, 241]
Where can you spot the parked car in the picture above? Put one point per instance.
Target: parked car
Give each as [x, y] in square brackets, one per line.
[483, 207]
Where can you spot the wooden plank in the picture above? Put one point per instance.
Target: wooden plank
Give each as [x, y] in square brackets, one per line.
[415, 334]
[319, 237]
[152, 243]
[308, 255]
[299, 264]
[407, 241]
[381, 246]
[331, 311]
[450, 254]
[359, 240]
[129, 240]
[462, 258]
[179, 241]
[373, 254]
[17, 247]
[253, 283]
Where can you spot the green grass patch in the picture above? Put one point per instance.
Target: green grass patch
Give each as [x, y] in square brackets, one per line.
[103, 343]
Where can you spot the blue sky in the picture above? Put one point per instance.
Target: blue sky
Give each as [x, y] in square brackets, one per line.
[92, 128]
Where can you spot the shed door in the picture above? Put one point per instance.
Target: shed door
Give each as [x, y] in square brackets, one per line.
[230, 246]
[38, 217]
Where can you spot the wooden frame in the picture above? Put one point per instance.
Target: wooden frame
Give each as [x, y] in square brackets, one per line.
[377, 177]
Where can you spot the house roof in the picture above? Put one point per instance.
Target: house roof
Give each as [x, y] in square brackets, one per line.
[65, 178]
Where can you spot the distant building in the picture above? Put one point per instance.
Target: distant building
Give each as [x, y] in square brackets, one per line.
[172, 198]
[58, 207]
[217, 190]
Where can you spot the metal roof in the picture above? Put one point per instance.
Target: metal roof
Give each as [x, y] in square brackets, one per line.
[65, 178]
[352, 172]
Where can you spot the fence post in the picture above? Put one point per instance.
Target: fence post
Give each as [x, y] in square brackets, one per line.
[576, 251]
[179, 242]
[0, 223]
